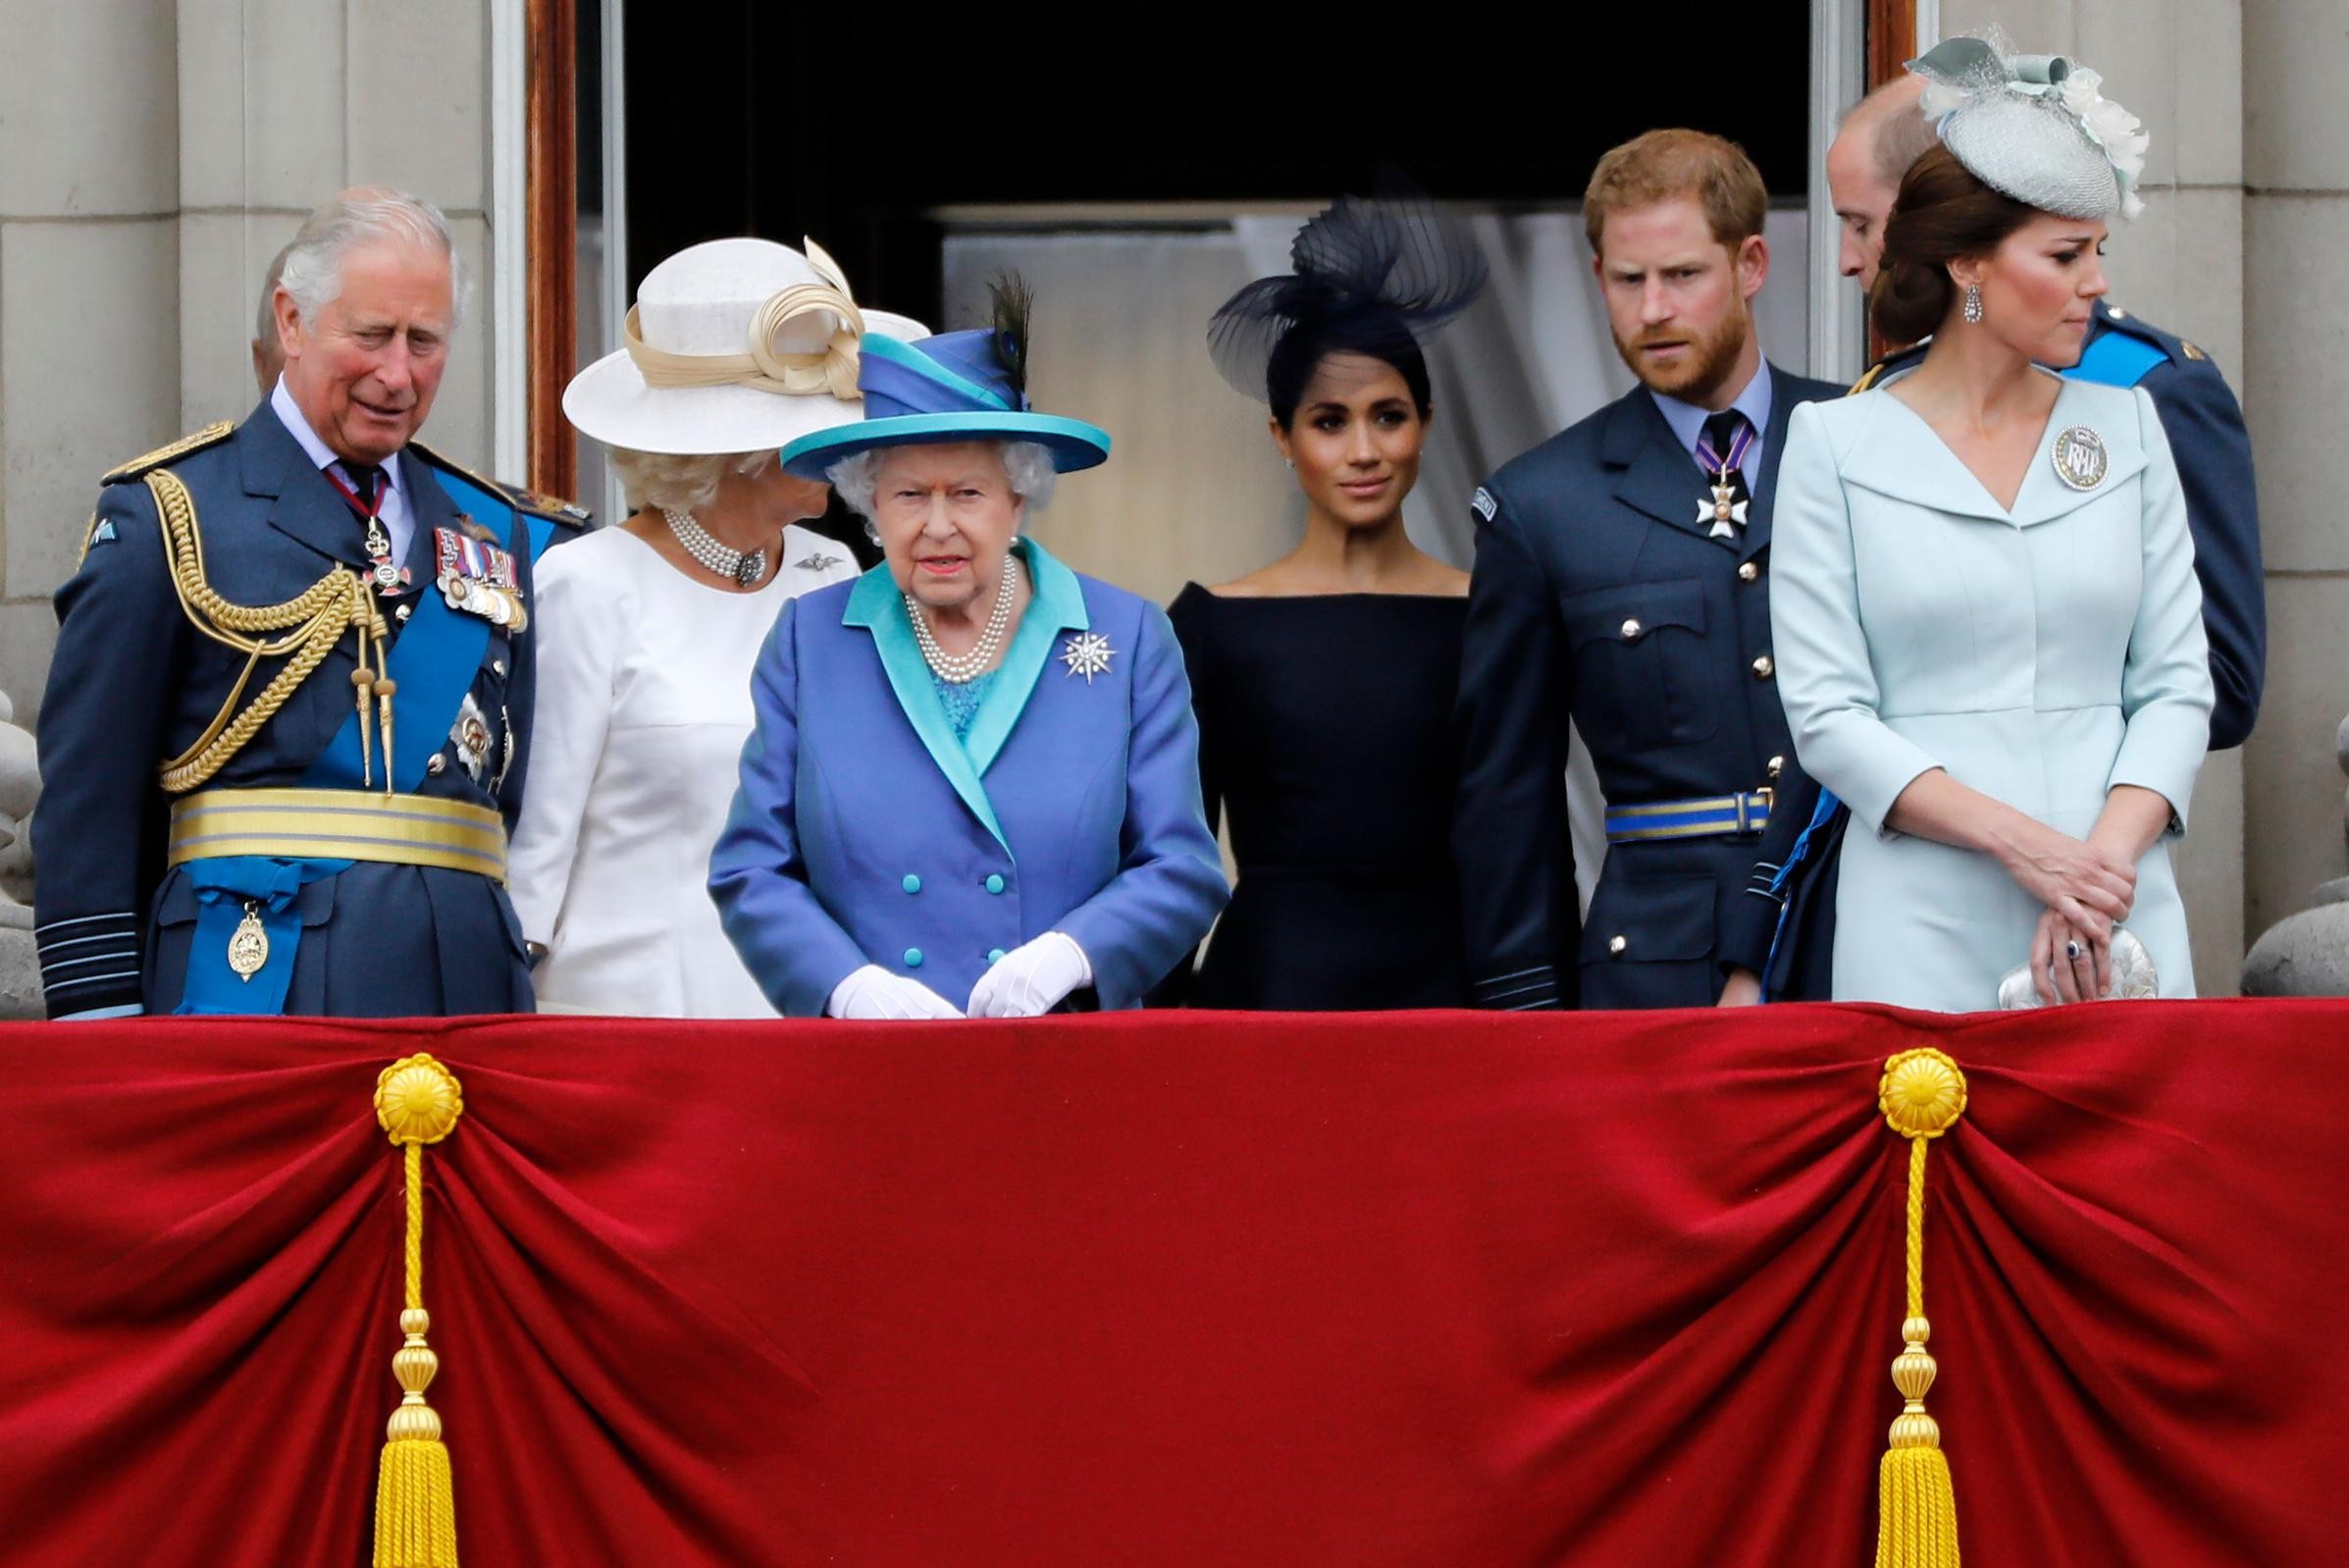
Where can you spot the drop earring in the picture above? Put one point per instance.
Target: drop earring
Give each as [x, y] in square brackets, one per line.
[872, 531]
[1973, 304]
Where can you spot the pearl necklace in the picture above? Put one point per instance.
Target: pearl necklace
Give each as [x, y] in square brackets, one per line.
[959, 669]
[745, 566]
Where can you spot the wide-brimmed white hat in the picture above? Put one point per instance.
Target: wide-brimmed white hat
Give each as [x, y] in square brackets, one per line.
[733, 346]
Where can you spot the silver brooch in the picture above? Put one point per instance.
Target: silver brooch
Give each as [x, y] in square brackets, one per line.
[818, 562]
[1086, 653]
[2080, 459]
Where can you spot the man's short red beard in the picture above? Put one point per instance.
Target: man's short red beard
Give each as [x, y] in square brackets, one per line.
[1702, 371]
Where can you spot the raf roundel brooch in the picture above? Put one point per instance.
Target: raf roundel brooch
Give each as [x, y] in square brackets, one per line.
[1086, 653]
[2080, 459]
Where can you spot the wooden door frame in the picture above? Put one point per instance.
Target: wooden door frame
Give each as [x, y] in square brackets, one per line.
[551, 106]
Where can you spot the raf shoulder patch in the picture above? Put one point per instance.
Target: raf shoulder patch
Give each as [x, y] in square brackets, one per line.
[1484, 503]
[101, 532]
[210, 436]
[569, 514]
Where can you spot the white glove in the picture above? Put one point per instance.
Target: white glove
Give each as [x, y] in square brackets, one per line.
[1032, 979]
[873, 992]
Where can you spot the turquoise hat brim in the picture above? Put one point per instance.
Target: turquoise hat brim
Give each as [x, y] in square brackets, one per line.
[1073, 443]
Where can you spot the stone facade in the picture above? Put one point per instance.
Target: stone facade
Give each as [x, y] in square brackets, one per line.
[153, 157]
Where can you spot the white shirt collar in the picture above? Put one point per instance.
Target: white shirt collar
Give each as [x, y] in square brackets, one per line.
[289, 414]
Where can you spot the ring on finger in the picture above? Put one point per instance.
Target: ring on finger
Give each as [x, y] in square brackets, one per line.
[2071, 950]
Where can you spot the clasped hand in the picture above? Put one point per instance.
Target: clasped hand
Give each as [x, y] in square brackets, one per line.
[2087, 889]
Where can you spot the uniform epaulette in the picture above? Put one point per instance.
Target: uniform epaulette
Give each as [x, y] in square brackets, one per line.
[1898, 359]
[210, 436]
[567, 514]
[2173, 346]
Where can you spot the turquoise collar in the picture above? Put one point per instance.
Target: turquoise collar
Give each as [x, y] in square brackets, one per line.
[1057, 606]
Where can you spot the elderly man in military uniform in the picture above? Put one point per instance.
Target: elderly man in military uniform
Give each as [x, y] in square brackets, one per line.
[1882, 135]
[287, 720]
[1622, 581]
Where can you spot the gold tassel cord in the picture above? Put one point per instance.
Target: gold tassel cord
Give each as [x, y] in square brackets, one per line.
[1921, 1094]
[313, 623]
[417, 1101]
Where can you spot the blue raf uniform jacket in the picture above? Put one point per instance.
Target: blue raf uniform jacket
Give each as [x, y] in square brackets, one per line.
[1597, 597]
[133, 682]
[864, 832]
[2204, 425]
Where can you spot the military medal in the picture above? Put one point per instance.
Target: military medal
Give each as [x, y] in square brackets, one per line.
[382, 570]
[470, 734]
[1722, 509]
[2080, 459]
[248, 946]
[477, 578]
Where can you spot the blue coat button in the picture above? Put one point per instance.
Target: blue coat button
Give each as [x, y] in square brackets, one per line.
[912, 958]
[912, 883]
[994, 884]
[995, 955]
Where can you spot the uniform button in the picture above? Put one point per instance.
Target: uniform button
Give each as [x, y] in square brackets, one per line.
[912, 883]
[912, 958]
[1617, 945]
[1630, 629]
[1747, 573]
[1777, 766]
[438, 764]
[1763, 669]
[995, 884]
[403, 611]
[2116, 313]
[497, 668]
[995, 955]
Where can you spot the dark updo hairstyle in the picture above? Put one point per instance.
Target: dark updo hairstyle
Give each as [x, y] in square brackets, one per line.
[1298, 354]
[1369, 276]
[1943, 212]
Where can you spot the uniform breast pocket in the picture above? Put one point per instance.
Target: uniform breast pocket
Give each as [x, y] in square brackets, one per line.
[1643, 675]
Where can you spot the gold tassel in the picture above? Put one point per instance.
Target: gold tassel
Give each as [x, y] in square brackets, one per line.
[417, 1101]
[1921, 1094]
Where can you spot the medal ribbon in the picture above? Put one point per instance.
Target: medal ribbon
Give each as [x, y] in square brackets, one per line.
[1721, 467]
[386, 575]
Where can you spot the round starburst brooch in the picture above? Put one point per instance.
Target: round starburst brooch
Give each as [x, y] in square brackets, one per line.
[1086, 653]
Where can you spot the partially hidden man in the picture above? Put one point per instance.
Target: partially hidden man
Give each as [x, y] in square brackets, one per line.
[1621, 583]
[287, 721]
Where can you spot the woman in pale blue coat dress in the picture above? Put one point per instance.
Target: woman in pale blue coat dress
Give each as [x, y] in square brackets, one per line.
[1988, 630]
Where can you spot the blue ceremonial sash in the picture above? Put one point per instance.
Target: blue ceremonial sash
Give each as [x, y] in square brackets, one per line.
[2117, 359]
[1820, 816]
[433, 662]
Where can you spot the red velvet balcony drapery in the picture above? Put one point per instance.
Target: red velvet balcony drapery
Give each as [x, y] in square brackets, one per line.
[1442, 1288]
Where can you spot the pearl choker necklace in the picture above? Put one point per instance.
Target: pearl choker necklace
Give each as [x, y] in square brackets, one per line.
[959, 669]
[745, 566]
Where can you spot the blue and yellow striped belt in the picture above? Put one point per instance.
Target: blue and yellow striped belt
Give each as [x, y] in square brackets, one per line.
[1713, 816]
[339, 825]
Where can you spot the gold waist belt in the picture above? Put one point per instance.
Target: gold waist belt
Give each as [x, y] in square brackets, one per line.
[339, 825]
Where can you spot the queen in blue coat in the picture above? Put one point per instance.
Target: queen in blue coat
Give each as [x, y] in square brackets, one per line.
[974, 784]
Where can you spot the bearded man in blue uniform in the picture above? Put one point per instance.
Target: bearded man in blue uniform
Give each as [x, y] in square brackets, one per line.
[286, 723]
[1622, 582]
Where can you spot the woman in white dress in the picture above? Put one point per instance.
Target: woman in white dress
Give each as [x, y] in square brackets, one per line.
[648, 628]
[1988, 630]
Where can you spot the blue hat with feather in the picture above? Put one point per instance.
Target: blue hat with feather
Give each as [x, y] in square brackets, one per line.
[955, 386]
